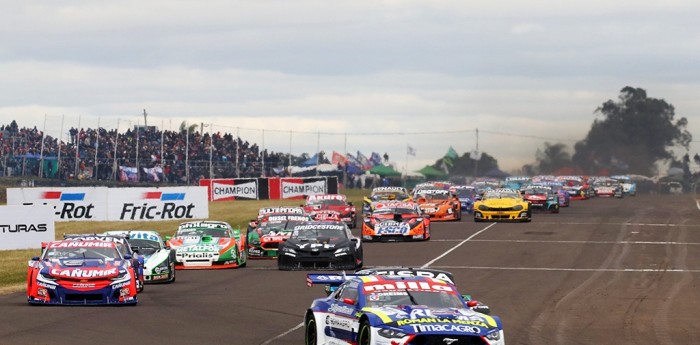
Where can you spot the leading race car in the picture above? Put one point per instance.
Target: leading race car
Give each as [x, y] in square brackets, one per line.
[264, 240]
[607, 187]
[502, 205]
[124, 247]
[396, 221]
[396, 310]
[81, 273]
[333, 202]
[159, 260]
[381, 194]
[318, 245]
[207, 245]
[439, 204]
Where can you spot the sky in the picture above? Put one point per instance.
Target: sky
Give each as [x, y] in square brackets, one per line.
[375, 75]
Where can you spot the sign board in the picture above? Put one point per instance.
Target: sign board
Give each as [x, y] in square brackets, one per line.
[68, 203]
[24, 227]
[166, 203]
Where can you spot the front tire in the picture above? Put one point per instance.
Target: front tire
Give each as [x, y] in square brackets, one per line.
[310, 332]
[364, 335]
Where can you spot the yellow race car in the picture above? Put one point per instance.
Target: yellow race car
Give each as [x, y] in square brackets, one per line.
[502, 205]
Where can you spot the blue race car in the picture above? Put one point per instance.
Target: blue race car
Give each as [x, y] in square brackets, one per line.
[399, 310]
[466, 195]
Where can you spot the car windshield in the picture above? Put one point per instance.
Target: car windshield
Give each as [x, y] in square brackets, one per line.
[145, 247]
[465, 192]
[326, 202]
[395, 210]
[217, 232]
[433, 299]
[389, 196]
[277, 227]
[537, 190]
[312, 234]
[82, 253]
[500, 195]
[433, 195]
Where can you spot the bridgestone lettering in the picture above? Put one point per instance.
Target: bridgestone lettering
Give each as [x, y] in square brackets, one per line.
[168, 210]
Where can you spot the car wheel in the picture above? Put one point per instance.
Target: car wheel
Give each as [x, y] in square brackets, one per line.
[172, 272]
[310, 332]
[364, 335]
[243, 257]
[459, 214]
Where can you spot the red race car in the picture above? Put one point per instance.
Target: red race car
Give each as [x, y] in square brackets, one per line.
[332, 202]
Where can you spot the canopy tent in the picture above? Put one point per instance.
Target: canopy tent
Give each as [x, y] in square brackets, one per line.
[431, 172]
[384, 170]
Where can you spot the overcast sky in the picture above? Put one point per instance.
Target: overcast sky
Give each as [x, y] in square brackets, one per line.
[424, 73]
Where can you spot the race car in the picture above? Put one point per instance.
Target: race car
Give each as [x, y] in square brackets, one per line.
[380, 194]
[396, 221]
[264, 212]
[329, 215]
[85, 272]
[607, 187]
[629, 187]
[332, 202]
[466, 195]
[208, 245]
[439, 204]
[159, 260]
[318, 245]
[541, 198]
[517, 182]
[264, 240]
[558, 189]
[502, 205]
[577, 188]
[396, 310]
[123, 245]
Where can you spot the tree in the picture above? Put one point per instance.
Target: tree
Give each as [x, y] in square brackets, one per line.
[634, 133]
[464, 166]
[552, 158]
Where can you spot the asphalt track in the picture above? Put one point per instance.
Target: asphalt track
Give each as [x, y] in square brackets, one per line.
[604, 271]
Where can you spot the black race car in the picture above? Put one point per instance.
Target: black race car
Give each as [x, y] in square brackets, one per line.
[318, 245]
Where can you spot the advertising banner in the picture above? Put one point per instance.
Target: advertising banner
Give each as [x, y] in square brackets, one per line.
[166, 203]
[69, 203]
[25, 227]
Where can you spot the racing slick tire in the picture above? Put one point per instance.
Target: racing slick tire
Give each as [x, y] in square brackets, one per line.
[364, 335]
[354, 222]
[310, 330]
[245, 252]
[172, 272]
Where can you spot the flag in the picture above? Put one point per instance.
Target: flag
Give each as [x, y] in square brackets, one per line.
[375, 159]
[337, 158]
[364, 161]
[451, 154]
[410, 150]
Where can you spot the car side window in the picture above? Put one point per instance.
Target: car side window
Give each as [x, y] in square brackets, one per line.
[349, 292]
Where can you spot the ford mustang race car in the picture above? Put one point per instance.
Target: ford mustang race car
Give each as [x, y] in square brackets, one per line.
[502, 204]
[396, 310]
[439, 204]
[208, 244]
[320, 245]
[332, 202]
[396, 221]
[380, 194]
[81, 273]
[541, 198]
[159, 260]
[264, 240]
[124, 247]
[466, 195]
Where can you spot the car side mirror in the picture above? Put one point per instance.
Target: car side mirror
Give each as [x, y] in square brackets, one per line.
[134, 249]
[349, 301]
[353, 240]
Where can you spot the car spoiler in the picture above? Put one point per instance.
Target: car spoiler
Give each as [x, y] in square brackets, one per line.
[333, 280]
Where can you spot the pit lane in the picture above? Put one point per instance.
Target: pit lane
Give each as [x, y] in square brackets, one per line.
[602, 271]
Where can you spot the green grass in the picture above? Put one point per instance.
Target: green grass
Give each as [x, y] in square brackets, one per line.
[13, 263]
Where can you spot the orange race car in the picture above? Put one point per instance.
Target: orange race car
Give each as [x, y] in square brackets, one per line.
[396, 221]
[439, 204]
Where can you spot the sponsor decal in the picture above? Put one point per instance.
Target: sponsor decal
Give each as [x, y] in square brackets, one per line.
[336, 322]
[327, 197]
[405, 322]
[83, 273]
[164, 196]
[445, 328]
[410, 285]
[83, 285]
[81, 244]
[268, 210]
[319, 227]
[391, 228]
[197, 255]
[294, 189]
[61, 196]
[14, 228]
[341, 309]
[414, 273]
[208, 225]
[199, 248]
[247, 190]
[167, 210]
[286, 218]
[48, 286]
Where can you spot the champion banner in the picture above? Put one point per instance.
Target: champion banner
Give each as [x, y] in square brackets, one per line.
[235, 189]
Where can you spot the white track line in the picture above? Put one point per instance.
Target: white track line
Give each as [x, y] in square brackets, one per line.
[457, 246]
[580, 242]
[269, 341]
[567, 269]
[697, 203]
[625, 224]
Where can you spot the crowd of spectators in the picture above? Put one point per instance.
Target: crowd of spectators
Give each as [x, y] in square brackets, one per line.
[89, 153]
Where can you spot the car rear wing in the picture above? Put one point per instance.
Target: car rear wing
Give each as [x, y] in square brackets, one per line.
[333, 280]
[329, 279]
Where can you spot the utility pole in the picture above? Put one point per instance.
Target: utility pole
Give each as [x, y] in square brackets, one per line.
[478, 156]
[145, 119]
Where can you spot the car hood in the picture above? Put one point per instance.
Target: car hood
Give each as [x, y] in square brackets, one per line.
[156, 258]
[200, 241]
[82, 269]
[456, 321]
[501, 202]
